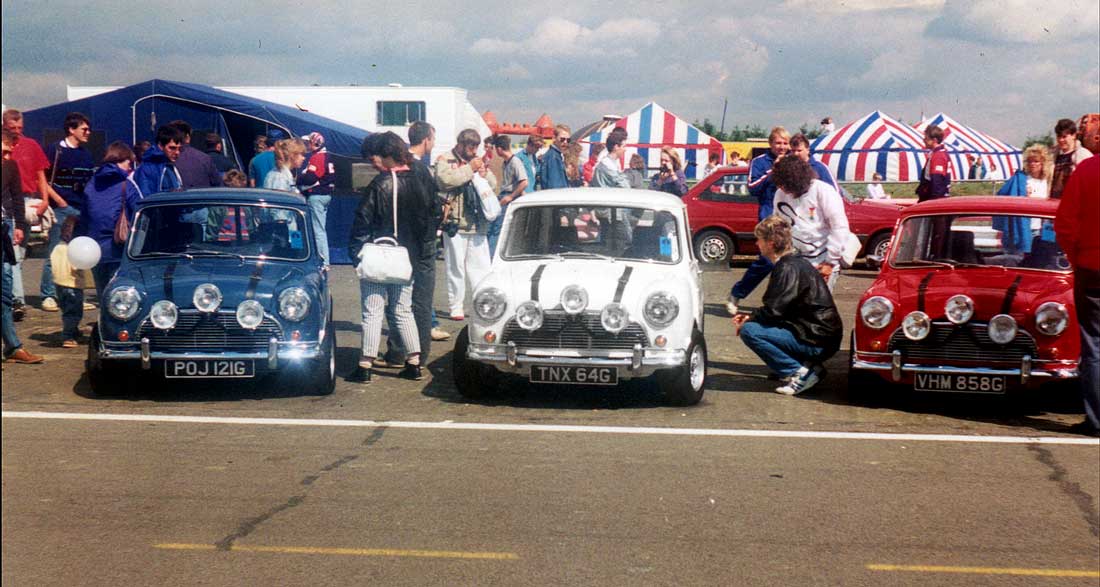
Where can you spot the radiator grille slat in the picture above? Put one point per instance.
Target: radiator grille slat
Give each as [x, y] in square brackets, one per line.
[968, 342]
[218, 332]
[581, 332]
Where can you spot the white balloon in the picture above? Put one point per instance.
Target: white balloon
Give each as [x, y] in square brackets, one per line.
[83, 252]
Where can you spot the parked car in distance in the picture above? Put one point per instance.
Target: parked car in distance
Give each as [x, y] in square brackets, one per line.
[946, 315]
[217, 284]
[589, 286]
[722, 221]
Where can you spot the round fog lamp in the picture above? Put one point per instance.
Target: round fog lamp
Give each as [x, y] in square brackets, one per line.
[529, 316]
[959, 309]
[574, 299]
[1002, 328]
[250, 314]
[207, 297]
[614, 318]
[916, 325]
[163, 315]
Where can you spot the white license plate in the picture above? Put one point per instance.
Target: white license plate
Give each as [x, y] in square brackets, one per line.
[209, 368]
[574, 375]
[960, 383]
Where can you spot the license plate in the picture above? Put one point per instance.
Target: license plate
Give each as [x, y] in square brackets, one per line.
[208, 368]
[575, 375]
[960, 383]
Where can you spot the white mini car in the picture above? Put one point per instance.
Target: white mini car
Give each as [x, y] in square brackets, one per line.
[589, 287]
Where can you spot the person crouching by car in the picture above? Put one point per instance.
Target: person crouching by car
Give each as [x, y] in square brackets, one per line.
[798, 327]
[70, 283]
[375, 219]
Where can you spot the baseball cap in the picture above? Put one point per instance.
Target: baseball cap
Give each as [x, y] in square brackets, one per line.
[275, 134]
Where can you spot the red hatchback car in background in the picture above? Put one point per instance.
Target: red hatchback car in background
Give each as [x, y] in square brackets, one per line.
[722, 216]
[975, 297]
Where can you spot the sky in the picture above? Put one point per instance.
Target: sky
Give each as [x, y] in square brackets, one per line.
[1010, 68]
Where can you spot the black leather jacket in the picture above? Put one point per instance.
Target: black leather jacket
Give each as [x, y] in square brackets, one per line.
[798, 299]
[418, 214]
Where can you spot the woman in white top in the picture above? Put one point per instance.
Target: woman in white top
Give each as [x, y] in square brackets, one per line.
[289, 155]
[819, 224]
[874, 190]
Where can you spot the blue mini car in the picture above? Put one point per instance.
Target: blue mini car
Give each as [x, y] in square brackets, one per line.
[217, 284]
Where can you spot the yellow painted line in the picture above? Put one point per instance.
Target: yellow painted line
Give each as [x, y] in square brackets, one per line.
[392, 552]
[986, 570]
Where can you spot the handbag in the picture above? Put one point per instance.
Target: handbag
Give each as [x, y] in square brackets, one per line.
[490, 205]
[852, 246]
[122, 225]
[384, 261]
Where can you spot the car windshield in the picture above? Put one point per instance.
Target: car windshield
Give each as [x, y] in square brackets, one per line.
[238, 230]
[973, 240]
[620, 233]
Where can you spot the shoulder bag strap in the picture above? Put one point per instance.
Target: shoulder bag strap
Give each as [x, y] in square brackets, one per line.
[393, 180]
[53, 170]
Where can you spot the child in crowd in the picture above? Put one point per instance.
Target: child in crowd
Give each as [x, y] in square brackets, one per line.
[71, 283]
[874, 189]
[235, 178]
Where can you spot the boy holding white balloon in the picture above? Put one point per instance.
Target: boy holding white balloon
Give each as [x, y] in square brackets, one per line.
[71, 282]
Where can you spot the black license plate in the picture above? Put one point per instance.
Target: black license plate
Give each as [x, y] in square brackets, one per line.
[960, 383]
[574, 375]
[209, 369]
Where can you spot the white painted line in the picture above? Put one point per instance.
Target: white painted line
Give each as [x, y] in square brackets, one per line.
[448, 425]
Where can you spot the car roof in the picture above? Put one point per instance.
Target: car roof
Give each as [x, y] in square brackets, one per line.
[589, 197]
[984, 205]
[225, 195]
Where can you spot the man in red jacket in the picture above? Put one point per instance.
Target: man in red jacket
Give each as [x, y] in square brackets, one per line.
[1077, 235]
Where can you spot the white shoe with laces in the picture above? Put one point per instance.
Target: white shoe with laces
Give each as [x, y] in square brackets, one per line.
[731, 305]
[804, 379]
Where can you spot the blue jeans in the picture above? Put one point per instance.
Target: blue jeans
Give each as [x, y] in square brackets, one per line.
[493, 233]
[778, 347]
[17, 263]
[71, 301]
[1086, 296]
[46, 286]
[319, 206]
[760, 269]
[11, 339]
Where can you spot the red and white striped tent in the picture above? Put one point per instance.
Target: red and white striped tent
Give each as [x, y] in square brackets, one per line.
[649, 129]
[873, 144]
[1001, 159]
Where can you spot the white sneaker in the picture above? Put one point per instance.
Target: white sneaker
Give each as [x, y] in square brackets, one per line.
[731, 305]
[49, 305]
[440, 334]
[805, 378]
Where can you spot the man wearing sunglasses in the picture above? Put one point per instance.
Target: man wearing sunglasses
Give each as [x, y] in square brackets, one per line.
[551, 174]
[71, 166]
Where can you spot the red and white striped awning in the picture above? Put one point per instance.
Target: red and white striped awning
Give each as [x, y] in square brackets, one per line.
[1001, 159]
[873, 144]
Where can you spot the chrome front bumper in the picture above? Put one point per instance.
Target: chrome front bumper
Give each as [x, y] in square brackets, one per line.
[639, 362]
[276, 351]
[1028, 368]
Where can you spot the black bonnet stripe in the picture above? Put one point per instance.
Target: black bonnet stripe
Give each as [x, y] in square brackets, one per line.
[1010, 295]
[622, 284]
[169, 273]
[923, 289]
[254, 281]
[535, 282]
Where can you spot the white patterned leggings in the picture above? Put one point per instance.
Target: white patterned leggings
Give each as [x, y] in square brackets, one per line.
[376, 298]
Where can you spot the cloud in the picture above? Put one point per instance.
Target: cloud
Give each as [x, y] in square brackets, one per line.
[1015, 21]
[860, 5]
[513, 71]
[558, 37]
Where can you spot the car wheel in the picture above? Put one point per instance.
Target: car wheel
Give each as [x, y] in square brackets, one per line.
[684, 386]
[713, 247]
[104, 380]
[472, 379]
[879, 245]
[322, 373]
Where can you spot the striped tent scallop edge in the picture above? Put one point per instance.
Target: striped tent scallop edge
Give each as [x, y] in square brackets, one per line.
[650, 128]
[875, 143]
[1001, 159]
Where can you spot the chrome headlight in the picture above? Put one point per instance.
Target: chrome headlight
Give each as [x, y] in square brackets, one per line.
[614, 318]
[207, 297]
[294, 304]
[163, 314]
[1051, 318]
[124, 302]
[1002, 328]
[916, 325]
[490, 304]
[250, 314]
[959, 309]
[661, 308]
[574, 299]
[877, 312]
[529, 315]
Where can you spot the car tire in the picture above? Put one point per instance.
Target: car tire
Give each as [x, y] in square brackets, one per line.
[684, 386]
[472, 379]
[104, 380]
[321, 374]
[878, 245]
[713, 247]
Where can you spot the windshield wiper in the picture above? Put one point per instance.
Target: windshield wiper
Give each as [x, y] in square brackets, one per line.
[587, 254]
[217, 253]
[164, 254]
[534, 256]
[923, 263]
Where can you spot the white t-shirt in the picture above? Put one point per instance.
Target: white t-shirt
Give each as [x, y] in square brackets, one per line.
[819, 225]
[1037, 188]
[875, 191]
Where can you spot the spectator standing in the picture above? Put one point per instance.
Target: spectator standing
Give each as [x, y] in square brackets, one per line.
[105, 195]
[798, 326]
[529, 157]
[935, 178]
[712, 163]
[494, 163]
[573, 175]
[214, 148]
[13, 208]
[977, 169]
[158, 172]
[70, 283]
[670, 178]
[317, 182]
[827, 125]
[288, 154]
[551, 173]
[1069, 154]
[71, 167]
[465, 245]
[139, 152]
[736, 160]
[512, 186]
[608, 172]
[422, 139]
[800, 147]
[264, 161]
[635, 174]
[763, 189]
[196, 168]
[874, 189]
[594, 153]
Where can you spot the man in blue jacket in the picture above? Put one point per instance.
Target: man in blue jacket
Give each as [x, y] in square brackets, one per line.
[157, 172]
[763, 189]
[551, 173]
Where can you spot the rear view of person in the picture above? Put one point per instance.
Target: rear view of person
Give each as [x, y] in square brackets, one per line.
[105, 195]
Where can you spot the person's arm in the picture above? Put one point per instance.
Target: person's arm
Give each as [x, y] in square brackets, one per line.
[759, 178]
[1067, 224]
[212, 173]
[46, 191]
[940, 174]
[451, 178]
[18, 203]
[832, 209]
[362, 227]
[783, 292]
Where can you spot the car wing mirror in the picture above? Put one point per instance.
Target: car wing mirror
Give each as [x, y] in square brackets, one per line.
[874, 261]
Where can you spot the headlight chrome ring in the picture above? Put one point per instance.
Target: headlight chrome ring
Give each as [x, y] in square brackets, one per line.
[1051, 318]
[614, 318]
[877, 312]
[207, 298]
[250, 314]
[124, 302]
[294, 304]
[1002, 329]
[916, 325]
[661, 308]
[490, 304]
[163, 315]
[959, 309]
[529, 315]
[574, 299]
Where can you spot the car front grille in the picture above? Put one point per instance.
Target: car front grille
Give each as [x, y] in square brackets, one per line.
[966, 342]
[581, 332]
[209, 333]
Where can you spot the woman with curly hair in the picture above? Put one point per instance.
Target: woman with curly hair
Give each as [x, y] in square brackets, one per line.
[671, 178]
[289, 155]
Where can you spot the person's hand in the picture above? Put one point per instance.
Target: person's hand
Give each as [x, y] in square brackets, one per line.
[826, 270]
[739, 320]
[18, 236]
[41, 208]
[477, 164]
[506, 200]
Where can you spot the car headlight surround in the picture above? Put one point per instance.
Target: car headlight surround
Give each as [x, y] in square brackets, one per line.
[294, 304]
[1002, 328]
[250, 314]
[529, 315]
[916, 325]
[614, 318]
[490, 304]
[877, 312]
[207, 298]
[959, 309]
[1051, 318]
[163, 315]
[124, 302]
[661, 308]
[574, 299]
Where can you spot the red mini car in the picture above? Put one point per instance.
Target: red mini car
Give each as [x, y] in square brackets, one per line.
[975, 297]
[722, 216]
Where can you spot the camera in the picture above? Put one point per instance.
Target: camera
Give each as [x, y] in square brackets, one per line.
[450, 228]
[665, 169]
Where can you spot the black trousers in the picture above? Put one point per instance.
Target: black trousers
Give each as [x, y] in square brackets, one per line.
[423, 274]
